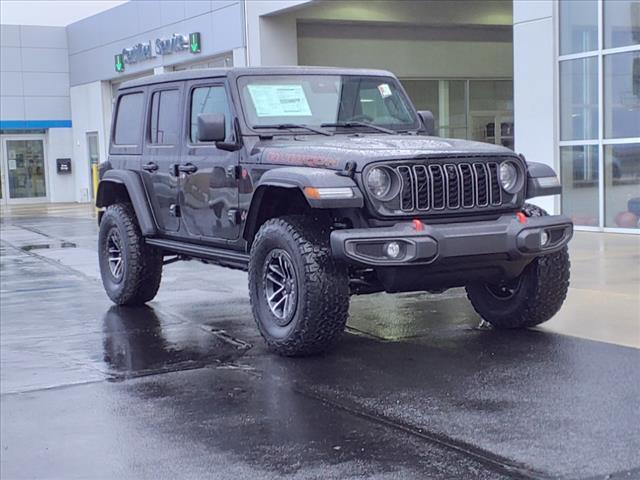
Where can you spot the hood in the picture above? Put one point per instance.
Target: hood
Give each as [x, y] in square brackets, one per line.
[334, 152]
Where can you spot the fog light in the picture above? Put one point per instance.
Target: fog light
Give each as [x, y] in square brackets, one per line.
[392, 249]
[544, 238]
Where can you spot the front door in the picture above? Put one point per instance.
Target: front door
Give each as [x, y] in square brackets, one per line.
[23, 169]
[162, 154]
[208, 183]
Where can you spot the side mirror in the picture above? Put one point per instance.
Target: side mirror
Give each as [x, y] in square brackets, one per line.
[211, 127]
[428, 122]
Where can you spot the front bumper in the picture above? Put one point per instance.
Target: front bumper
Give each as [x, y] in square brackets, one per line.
[510, 237]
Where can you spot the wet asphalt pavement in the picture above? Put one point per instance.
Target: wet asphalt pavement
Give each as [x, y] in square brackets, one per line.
[184, 388]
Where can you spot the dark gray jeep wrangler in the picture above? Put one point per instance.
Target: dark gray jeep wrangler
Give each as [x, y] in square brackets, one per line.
[322, 183]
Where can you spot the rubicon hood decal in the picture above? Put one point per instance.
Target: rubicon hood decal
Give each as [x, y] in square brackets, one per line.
[334, 152]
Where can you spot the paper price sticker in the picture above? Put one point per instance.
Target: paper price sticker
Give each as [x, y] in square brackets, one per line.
[385, 90]
[279, 100]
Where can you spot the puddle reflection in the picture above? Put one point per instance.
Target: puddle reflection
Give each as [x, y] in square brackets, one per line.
[136, 343]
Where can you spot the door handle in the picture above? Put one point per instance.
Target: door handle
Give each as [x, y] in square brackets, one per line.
[187, 168]
[150, 167]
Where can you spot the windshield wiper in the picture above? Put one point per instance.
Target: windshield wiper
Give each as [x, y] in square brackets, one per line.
[286, 126]
[353, 123]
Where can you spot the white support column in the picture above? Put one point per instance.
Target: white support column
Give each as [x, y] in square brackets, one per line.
[534, 86]
[271, 35]
[239, 57]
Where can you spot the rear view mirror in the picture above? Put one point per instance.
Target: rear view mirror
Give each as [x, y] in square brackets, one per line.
[211, 127]
[428, 122]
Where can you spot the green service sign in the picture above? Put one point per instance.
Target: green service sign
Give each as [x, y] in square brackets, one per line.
[142, 51]
[119, 63]
[194, 42]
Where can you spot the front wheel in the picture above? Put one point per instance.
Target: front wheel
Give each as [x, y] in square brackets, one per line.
[299, 294]
[530, 299]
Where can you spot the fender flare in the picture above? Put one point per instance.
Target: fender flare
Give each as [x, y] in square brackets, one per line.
[132, 183]
[296, 179]
[301, 177]
[541, 180]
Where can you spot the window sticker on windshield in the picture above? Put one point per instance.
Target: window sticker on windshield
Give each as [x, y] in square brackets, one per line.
[279, 100]
[384, 90]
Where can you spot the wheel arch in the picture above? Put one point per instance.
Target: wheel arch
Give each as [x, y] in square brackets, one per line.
[280, 191]
[126, 186]
[272, 200]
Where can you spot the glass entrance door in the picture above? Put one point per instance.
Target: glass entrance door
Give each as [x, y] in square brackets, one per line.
[23, 169]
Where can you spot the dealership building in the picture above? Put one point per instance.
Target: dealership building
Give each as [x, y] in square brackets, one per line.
[558, 81]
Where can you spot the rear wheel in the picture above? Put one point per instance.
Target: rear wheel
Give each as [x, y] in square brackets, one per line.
[299, 294]
[530, 299]
[131, 270]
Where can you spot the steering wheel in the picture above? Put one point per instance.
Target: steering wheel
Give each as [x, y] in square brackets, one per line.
[361, 118]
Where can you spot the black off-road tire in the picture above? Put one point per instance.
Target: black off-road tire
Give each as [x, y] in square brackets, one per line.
[540, 290]
[141, 263]
[322, 299]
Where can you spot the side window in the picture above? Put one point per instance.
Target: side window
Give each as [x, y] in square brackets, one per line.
[165, 115]
[128, 129]
[208, 100]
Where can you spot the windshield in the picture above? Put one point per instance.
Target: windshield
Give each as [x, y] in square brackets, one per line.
[335, 101]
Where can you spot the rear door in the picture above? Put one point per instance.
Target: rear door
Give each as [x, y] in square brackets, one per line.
[127, 130]
[162, 153]
[209, 187]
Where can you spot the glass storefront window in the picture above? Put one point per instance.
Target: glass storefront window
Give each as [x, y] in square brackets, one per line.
[489, 117]
[621, 23]
[490, 95]
[446, 99]
[424, 95]
[622, 185]
[622, 95]
[579, 175]
[455, 92]
[579, 99]
[599, 104]
[491, 111]
[578, 26]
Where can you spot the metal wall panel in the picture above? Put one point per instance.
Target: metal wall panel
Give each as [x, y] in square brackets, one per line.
[171, 11]
[46, 37]
[149, 17]
[45, 60]
[45, 84]
[47, 108]
[106, 27]
[11, 84]
[93, 43]
[10, 35]
[191, 8]
[11, 108]
[221, 31]
[34, 78]
[10, 59]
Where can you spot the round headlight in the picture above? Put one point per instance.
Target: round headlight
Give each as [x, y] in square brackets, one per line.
[379, 182]
[508, 177]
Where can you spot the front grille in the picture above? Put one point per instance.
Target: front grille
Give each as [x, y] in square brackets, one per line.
[449, 186]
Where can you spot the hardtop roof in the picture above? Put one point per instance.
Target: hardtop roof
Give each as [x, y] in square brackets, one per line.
[239, 71]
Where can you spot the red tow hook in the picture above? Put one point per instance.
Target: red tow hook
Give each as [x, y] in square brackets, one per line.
[418, 225]
[522, 218]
